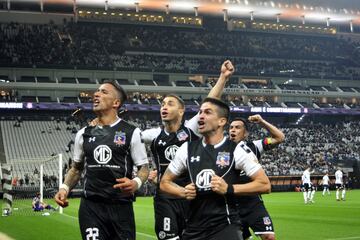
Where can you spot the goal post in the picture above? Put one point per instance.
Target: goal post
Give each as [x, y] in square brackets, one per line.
[32, 185]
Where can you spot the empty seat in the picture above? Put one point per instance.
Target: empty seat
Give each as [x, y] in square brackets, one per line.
[181, 83]
[27, 79]
[44, 99]
[68, 80]
[43, 79]
[84, 80]
[146, 82]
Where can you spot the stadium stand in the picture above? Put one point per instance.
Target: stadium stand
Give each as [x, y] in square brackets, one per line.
[253, 53]
[318, 144]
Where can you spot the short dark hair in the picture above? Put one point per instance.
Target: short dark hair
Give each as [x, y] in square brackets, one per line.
[181, 102]
[246, 124]
[121, 91]
[224, 109]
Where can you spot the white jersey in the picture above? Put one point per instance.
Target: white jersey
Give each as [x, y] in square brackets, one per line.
[325, 180]
[306, 177]
[338, 177]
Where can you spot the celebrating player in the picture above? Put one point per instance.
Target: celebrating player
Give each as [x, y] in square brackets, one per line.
[108, 151]
[252, 211]
[171, 211]
[214, 163]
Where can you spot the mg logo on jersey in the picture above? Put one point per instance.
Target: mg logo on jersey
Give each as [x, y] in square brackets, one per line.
[170, 152]
[203, 179]
[102, 154]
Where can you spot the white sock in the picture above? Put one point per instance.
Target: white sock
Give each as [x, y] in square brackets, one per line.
[312, 195]
[343, 194]
[309, 194]
[337, 194]
[324, 192]
[305, 196]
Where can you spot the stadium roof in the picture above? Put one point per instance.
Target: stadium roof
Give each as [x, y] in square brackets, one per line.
[318, 11]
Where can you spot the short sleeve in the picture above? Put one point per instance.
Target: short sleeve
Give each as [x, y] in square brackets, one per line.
[78, 146]
[259, 145]
[193, 124]
[149, 135]
[246, 160]
[137, 149]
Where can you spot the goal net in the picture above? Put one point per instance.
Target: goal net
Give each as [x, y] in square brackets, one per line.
[30, 185]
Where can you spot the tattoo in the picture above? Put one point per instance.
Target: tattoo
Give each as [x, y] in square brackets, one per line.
[172, 177]
[143, 172]
[74, 174]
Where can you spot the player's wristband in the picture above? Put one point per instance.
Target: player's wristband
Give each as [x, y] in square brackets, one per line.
[230, 190]
[138, 181]
[65, 187]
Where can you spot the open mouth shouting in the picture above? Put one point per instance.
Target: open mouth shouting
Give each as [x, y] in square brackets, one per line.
[201, 124]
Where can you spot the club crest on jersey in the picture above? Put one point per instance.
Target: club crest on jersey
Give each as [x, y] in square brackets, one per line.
[223, 159]
[120, 138]
[182, 135]
[266, 220]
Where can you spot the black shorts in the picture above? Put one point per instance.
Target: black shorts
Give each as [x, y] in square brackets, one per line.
[307, 187]
[170, 217]
[259, 220]
[339, 186]
[226, 232]
[325, 186]
[103, 221]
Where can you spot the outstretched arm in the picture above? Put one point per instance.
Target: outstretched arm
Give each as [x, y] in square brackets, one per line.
[227, 69]
[277, 136]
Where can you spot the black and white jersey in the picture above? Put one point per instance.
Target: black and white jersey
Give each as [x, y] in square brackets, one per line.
[226, 159]
[109, 152]
[246, 202]
[164, 148]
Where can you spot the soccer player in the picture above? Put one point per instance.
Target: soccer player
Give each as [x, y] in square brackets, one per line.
[214, 163]
[252, 211]
[339, 184]
[171, 211]
[38, 206]
[312, 194]
[325, 183]
[306, 182]
[108, 152]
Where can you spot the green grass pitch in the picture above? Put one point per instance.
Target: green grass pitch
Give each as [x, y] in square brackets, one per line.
[326, 219]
